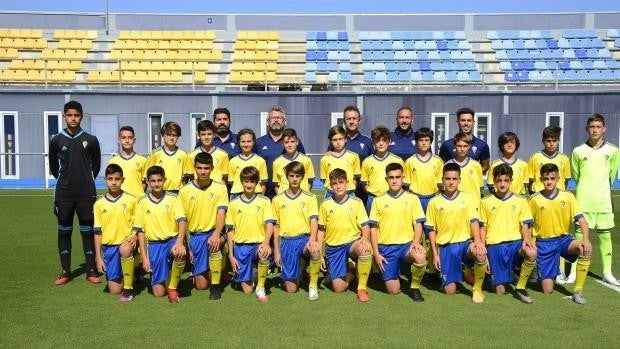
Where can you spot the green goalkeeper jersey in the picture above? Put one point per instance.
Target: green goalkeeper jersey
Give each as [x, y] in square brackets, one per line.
[595, 170]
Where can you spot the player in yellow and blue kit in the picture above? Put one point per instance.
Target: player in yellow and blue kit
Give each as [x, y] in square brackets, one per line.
[472, 179]
[250, 222]
[509, 143]
[453, 221]
[341, 158]
[114, 237]
[549, 155]
[554, 210]
[344, 227]
[290, 141]
[373, 167]
[170, 157]
[205, 202]
[205, 130]
[295, 233]
[396, 219]
[506, 220]
[246, 139]
[161, 224]
[133, 164]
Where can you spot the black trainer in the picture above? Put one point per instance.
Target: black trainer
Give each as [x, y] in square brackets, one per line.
[523, 296]
[214, 292]
[416, 295]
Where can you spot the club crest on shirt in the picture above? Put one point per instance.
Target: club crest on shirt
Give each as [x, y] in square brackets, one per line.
[264, 147]
[210, 196]
[232, 145]
[513, 207]
[84, 144]
[563, 203]
[362, 146]
[104, 211]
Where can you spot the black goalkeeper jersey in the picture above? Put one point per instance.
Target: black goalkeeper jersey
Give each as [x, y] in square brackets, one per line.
[75, 162]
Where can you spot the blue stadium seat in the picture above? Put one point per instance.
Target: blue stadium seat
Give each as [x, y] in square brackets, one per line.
[464, 45]
[451, 76]
[505, 65]
[392, 76]
[547, 75]
[416, 76]
[332, 66]
[540, 65]
[613, 33]
[425, 66]
[604, 53]
[400, 55]
[462, 76]
[575, 65]
[321, 36]
[403, 76]
[398, 45]
[436, 66]
[511, 76]
[310, 36]
[310, 66]
[568, 75]
[517, 65]
[616, 74]
[311, 56]
[578, 33]
[581, 53]
[414, 66]
[530, 44]
[448, 65]
[366, 45]
[606, 74]
[391, 66]
[344, 66]
[343, 36]
[433, 55]
[380, 76]
[587, 64]
[422, 54]
[552, 43]
[442, 45]
[523, 76]
[518, 44]
[427, 76]
[439, 76]
[617, 43]
[388, 55]
[535, 75]
[366, 55]
[332, 45]
[582, 75]
[310, 77]
[332, 36]
[501, 55]
[444, 55]
[492, 35]
[322, 67]
[321, 55]
[311, 45]
[369, 76]
[564, 65]
[611, 64]
[569, 53]
[363, 36]
[321, 45]
[343, 45]
[528, 65]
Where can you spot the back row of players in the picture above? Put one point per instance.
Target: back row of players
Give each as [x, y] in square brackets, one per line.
[460, 227]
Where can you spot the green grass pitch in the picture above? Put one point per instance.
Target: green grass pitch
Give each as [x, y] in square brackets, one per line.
[38, 314]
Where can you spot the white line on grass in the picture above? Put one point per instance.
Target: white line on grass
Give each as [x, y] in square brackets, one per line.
[615, 288]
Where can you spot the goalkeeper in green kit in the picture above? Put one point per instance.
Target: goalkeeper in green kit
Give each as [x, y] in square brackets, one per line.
[595, 165]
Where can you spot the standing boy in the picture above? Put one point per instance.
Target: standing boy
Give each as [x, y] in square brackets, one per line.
[344, 226]
[549, 155]
[170, 157]
[595, 165]
[75, 160]
[161, 224]
[204, 202]
[290, 144]
[453, 221]
[554, 210]
[341, 158]
[133, 164]
[246, 139]
[471, 180]
[396, 221]
[114, 214]
[295, 232]
[206, 134]
[509, 143]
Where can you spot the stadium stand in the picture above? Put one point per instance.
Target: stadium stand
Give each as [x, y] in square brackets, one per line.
[328, 53]
[255, 57]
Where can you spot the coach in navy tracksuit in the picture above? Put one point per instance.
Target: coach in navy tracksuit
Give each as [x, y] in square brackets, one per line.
[479, 149]
[403, 140]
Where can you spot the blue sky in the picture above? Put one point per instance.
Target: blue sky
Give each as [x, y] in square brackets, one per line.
[313, 6]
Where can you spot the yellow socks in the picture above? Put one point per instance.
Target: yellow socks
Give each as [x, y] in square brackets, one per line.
[364, 264]
[480, 270]
[175, 274]
[526, 270]
[417, 272]
[315, 267]
[263, 268]
[215, 264]
[583, 264]
[127, 266]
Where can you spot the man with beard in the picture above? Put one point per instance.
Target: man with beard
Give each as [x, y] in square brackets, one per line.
[226, 139]
[403, 142]
[269, 146]
[479, 149]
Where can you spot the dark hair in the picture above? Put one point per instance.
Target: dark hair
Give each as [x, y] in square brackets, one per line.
[246, 131]
[221, 111]
[337, 173]
[551, 132]
[155, 170]
[335, 130]
[501, 170]
[351, 108]
[205, 125]
[250, 173]
[404, 108]
[548, 168]
[596, 117]
[462, 137]
[73, 105]
[380, 132]
[171, 126]
[295, 167]
[394, 166]
[289, 133]
[451, 167]
[507, 137]
[203, 158]
[113, 168]
[424, 132]
[462, 111]
[126, 128]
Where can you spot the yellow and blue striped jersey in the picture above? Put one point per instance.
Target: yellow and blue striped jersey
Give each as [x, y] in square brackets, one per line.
[554, 215]
[134, 169]
[373, 172]
[173, 164]
[220, 162]
[159, 219]
[249, 217]
[422, 176]
[279, 176]
[347, 161]
[114, 218]
[451, 218]
[503, 218]
[520, 175]
[294, 213]
[342, 221]
[238, 163]
[395, 217]
[202, 204]
[538, 159]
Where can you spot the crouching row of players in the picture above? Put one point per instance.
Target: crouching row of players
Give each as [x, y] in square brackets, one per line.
[461, 230]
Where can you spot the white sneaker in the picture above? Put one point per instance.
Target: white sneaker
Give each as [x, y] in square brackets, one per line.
[560, 279]
[313, 293]
[261, 294]
[610, 279]
[571, 278]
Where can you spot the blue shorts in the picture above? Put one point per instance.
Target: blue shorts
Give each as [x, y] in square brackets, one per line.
[337, 257]
[549, 252]
[502, 258]
[245, 254]
[292, 249]
[160, 257]
[394, 254]
[112, 261]
[200, 249]
[452, 257]
[369, 201]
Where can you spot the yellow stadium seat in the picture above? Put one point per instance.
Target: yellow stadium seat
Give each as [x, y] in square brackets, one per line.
[201, 66]
[8, 53]
[273, 36]
[272, 66]
[188, 35]
[242, 35]
[261, 55]
[4, 32]
[91, 34]
[145, 34]
[272, 45]
[200, 76]
[271, 76]
[272, 56]
[261, 45]
[177, 35]
[123, 35]
[14, 33]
